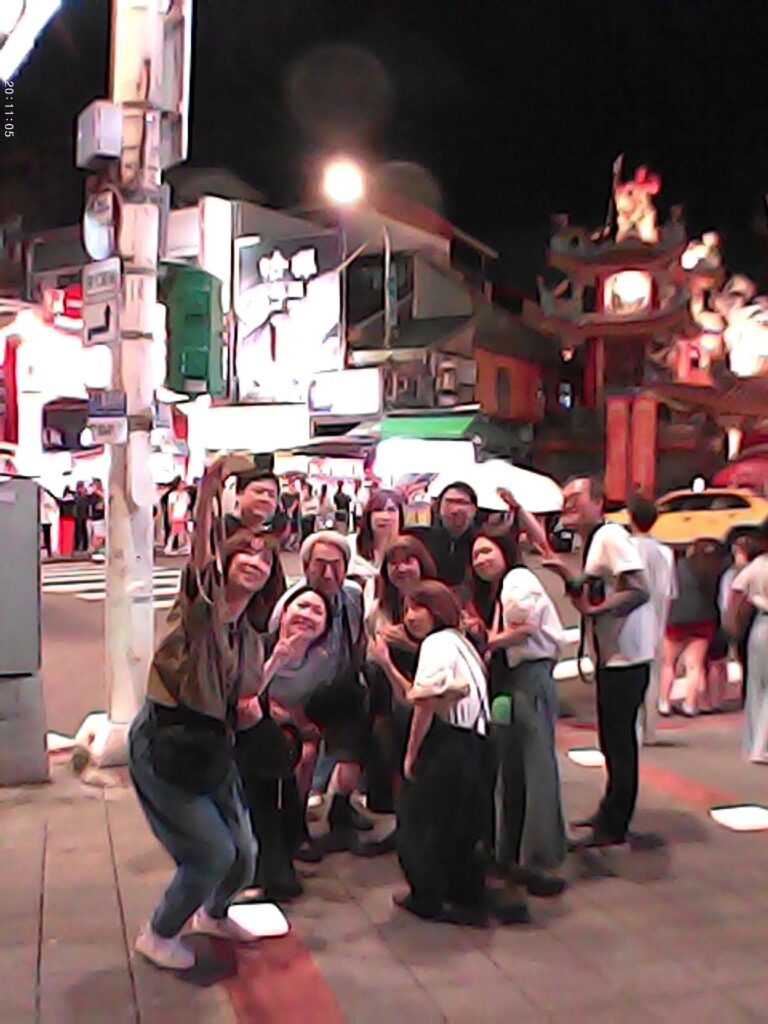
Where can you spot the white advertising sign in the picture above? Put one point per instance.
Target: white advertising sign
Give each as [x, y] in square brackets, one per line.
[346, 393]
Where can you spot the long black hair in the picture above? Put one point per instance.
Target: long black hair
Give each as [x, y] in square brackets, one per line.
[485, 594]
[377, 502]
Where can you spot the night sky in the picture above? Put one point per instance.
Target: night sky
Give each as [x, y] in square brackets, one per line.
[516, 109]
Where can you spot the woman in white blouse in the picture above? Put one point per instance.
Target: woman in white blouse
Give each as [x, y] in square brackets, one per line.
[749, 604]
[524, 639]
[444, 808]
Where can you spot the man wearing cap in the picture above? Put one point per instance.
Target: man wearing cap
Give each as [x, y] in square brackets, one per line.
[450, 540]
[326, 688]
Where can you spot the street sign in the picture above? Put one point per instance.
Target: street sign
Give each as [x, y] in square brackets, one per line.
[103, 403]
[107, 416]
[101, 302]
[109, 430]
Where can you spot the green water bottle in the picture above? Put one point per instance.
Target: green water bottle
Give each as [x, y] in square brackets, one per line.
[501, 710]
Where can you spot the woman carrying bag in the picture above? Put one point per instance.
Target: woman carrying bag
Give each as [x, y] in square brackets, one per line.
[203, 684]
[524, 639]
[442, 811]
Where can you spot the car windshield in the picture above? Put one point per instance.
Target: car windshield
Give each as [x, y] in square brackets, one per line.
[703, 503]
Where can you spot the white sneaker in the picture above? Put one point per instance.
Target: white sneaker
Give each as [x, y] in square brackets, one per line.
[201, 923]
[171, 954]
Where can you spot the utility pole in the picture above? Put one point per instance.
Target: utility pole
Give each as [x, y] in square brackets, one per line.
[131, 139]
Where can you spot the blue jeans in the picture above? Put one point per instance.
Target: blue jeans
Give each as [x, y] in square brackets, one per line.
[209, 836]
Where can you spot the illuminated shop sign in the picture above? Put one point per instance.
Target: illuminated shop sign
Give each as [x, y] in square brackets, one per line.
[346, 393]
[288, 307]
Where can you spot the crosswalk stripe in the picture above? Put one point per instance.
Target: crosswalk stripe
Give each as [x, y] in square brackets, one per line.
[72, 586]
[89, 583]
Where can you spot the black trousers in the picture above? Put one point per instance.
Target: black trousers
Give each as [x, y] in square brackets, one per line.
[620, 694]
[81, 534]
[46, 528]
[443, 816]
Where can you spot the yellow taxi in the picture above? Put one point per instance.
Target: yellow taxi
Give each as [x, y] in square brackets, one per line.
[716, 513]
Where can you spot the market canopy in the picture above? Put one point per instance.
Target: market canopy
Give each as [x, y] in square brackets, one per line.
[467, 426]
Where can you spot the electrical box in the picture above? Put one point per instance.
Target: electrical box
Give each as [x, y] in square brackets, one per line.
[19, 577]
[195, 326]
[99, 134]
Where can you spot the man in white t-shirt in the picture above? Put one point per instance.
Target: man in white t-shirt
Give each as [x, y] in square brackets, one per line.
[659, 564]
[612, 596]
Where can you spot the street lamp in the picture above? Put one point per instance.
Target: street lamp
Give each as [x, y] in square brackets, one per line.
[21, 22]
[345, 184]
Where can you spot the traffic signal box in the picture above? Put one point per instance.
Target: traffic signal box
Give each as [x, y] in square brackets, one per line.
[195, 326]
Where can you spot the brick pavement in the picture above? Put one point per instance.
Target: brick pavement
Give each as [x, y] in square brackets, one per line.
[676, 934]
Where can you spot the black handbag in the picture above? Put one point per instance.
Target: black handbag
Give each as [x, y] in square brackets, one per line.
[344, 700]
[190, 750]
[268, 750]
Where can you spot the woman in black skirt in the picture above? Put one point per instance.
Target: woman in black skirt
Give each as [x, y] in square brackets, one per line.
[443, 810]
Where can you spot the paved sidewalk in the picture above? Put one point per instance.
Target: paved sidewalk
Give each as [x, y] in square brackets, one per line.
[676, 934]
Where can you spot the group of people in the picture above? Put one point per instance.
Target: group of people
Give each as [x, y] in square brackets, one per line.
[414, 666]
[86, 504]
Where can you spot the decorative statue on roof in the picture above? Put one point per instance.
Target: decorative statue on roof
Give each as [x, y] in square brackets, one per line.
[703, 253]
[635, 213]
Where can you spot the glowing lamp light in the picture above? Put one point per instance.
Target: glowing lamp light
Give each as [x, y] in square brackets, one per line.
[628, 289]
[689, 259]
[344, 182]
[587, 757]
[741, 817]
[698, 485]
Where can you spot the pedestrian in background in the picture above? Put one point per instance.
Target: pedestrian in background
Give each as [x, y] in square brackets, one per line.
[342, 503]
[97, 520]
[744, 550]
[178, 516]
[49, 514]
[82, 501]
[659, 564]
[749, 604]
[691, 627]
[308, 508]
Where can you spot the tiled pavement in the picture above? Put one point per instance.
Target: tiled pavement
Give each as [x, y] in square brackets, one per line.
[678, 934]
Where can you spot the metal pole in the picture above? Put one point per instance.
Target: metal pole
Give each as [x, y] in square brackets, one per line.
[137, 87]
[389, 299]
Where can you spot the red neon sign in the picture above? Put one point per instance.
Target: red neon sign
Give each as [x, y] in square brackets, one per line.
[66, 303]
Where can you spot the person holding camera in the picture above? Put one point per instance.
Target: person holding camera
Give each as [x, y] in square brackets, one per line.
[617, 619]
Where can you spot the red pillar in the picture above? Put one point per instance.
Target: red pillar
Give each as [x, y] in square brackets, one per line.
[617, 409]
[594, 373]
